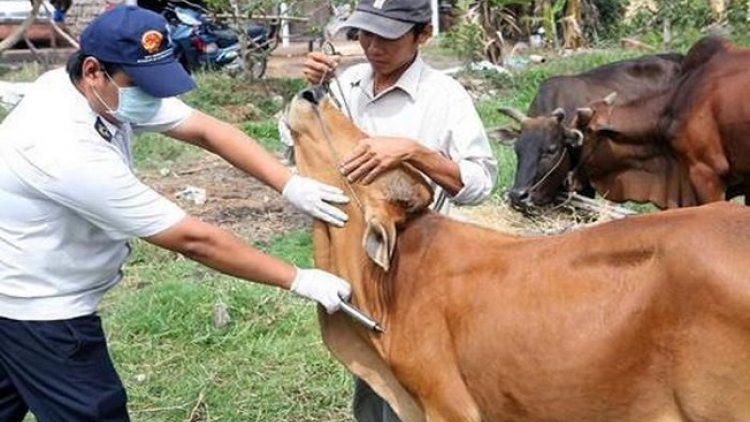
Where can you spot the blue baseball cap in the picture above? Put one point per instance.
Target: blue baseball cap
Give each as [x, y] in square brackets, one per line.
[138, 40]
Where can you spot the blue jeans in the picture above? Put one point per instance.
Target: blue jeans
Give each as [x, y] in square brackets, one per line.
[60, 371]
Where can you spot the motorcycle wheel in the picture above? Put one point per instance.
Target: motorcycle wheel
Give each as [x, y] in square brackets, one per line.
[255, 62]
[182, 59]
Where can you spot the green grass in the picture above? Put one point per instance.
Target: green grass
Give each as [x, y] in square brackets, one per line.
[268, 364]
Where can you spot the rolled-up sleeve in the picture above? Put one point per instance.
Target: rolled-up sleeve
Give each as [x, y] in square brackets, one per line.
[468, 146]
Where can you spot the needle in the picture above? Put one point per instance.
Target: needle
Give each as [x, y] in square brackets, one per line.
[360, 317]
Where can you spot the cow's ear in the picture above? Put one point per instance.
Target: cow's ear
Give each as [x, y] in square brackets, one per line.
[506, 135]
[379, 241]
[559, 114]
[573, 137]
[409, 192]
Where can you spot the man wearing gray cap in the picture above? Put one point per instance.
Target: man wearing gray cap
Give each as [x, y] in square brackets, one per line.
[414, 113]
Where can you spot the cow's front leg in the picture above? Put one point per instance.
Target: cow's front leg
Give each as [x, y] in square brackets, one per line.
[450, 409]
[446, 398]
[436, 382]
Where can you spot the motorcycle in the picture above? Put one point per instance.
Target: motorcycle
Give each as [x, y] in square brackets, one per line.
[201, 43]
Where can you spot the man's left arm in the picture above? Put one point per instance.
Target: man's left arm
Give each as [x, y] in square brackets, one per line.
[230, 143]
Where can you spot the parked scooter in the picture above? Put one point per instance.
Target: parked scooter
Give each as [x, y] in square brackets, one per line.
[201, 43]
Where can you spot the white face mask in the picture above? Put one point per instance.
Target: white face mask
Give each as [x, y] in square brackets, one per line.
[133, 104]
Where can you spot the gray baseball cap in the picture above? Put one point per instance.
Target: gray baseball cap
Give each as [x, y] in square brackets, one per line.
[389, 19]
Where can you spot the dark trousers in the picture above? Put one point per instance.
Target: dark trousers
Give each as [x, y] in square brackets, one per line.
[370, 407]
[60, 371]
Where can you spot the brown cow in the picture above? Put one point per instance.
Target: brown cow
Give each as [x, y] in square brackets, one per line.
[684, 146]
[645, 319]
[547, 150]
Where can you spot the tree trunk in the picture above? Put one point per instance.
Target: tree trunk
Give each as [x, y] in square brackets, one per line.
[571, 26]
[548, 21]
[718, 7]
[19, 33]
[493, 48]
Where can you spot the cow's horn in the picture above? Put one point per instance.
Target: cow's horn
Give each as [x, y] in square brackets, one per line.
[559, 113]
[610, 99]
[513, 114]
[584, 115]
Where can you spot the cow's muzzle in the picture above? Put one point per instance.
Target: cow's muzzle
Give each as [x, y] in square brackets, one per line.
[313, 94]
[520, 200]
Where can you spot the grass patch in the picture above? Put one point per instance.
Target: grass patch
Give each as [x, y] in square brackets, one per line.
[267, 364]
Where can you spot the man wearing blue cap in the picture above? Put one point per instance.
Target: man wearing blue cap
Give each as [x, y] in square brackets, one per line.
[414, 113]
[71, 202]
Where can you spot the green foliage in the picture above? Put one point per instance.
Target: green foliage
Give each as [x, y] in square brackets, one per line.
[686, 18]
[738, 17]
[470, 36]
[610, 20]
[466, 39]
[266, 133]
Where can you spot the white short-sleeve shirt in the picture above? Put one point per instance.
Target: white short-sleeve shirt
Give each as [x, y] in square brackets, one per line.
[69, 201]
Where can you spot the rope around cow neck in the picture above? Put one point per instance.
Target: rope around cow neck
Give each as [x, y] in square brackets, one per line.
[550, 171]
[337, 159]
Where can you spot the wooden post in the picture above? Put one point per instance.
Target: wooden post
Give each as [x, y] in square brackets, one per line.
[435, 18]
[283, 10]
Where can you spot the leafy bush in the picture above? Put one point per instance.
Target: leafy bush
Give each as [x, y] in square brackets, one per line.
[466, 39]
[607, 22]
[687, 20]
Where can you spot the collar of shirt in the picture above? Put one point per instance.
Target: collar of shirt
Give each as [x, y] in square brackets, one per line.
[407, 82]
[84, 114]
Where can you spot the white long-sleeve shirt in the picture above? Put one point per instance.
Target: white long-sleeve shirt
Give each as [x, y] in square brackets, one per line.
[432, 108]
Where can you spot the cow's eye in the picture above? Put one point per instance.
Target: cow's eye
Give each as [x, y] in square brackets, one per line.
[552, 149]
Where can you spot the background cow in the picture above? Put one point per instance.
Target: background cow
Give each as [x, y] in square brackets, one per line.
[546, 149]
[686, 145]
[645, 319]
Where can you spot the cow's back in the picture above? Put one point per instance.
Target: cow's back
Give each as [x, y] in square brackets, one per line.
[631, 313]
[629, 78]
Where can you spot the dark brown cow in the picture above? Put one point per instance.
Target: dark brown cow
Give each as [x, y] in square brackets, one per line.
[546, 149]
[684, 146]
[645, 319]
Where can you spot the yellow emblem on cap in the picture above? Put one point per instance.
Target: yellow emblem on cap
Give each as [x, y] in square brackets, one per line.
[151, 41]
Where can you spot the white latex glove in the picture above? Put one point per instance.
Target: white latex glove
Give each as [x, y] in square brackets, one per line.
[322, 287]
[315, 198]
